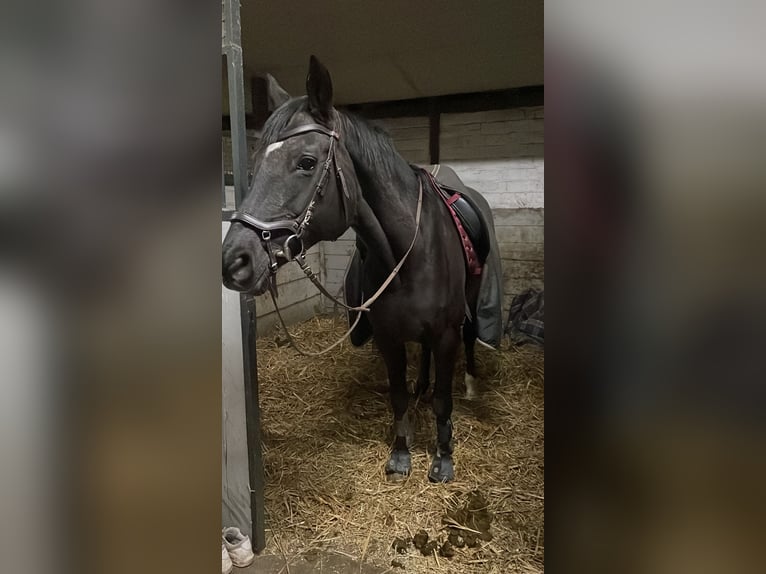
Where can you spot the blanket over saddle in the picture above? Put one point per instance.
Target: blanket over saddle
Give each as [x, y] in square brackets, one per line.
[473, 218]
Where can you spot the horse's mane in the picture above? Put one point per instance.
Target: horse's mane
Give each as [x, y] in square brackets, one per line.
[368, 143]
[371, 144]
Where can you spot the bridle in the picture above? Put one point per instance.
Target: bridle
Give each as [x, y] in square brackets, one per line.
[293, 248]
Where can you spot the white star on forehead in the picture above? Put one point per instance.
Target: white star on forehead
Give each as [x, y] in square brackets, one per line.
[274, 146]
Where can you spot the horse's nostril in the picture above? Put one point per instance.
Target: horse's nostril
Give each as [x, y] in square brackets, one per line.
[240, 269]
[239, 262]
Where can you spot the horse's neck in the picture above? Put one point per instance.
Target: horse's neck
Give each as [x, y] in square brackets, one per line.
[388, 207]
[370, 230]
[386, 218]
[386, 211]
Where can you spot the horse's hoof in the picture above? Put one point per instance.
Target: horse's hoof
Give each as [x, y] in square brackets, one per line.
[442, 469]
[399, 465]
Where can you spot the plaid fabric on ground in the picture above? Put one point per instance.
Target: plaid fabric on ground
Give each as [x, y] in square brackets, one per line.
[526, 319]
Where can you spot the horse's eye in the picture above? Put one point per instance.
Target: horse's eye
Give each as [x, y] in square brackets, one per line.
[307, 163]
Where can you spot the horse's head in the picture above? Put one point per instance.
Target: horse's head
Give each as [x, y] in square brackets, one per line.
[304, 187]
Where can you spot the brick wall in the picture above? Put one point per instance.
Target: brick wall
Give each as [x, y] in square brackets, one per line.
[520, 236]
[499, 153]
[411, 136]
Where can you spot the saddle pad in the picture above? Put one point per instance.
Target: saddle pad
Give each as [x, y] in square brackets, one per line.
[472, 222]
[472, 261]
[470, 215]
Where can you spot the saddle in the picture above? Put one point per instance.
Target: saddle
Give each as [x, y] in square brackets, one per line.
[456, 195]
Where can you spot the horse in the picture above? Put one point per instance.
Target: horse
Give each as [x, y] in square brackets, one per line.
[295, 202]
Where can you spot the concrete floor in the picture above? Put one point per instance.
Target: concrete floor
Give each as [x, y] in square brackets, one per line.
[326, 563]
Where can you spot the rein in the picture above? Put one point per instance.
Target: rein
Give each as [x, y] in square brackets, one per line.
[298, 226]
[301, 260]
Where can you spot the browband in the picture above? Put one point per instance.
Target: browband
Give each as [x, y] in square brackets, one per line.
[306, 128]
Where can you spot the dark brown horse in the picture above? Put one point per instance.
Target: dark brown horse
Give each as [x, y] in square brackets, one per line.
[318, 172]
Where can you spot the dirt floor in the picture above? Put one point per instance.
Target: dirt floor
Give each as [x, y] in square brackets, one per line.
[327, 432]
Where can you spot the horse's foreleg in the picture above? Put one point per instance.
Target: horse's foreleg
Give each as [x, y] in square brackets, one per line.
[399, 463]
[425, 371]
[445, 350]
[469, 340]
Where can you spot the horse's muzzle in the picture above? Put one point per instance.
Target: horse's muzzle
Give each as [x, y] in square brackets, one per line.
[244, 271]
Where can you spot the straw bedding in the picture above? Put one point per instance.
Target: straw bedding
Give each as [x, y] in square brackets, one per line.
[326, 436]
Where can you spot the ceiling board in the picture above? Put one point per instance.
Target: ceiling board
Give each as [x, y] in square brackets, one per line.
[390, 50]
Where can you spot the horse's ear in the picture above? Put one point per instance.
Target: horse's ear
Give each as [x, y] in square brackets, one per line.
[277, 95]
[319, 90]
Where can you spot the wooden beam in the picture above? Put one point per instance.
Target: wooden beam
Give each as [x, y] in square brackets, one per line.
[451, 104]
[454, 103]
[434, 129]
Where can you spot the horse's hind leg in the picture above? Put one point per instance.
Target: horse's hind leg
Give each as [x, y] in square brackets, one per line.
[424, 374]
[469, 340]
[469, 336]
[399, 463]
[442, 469]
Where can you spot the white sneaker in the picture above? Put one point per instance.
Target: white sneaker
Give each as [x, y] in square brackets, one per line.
[226, 565]
[239, 547]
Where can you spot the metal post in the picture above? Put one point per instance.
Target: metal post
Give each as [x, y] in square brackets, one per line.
[231, 48]
[253, 421]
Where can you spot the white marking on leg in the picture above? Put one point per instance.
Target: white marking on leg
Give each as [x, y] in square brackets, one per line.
[272, 147]
[470, 387]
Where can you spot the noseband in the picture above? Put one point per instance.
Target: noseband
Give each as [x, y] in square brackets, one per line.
[293, 247]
